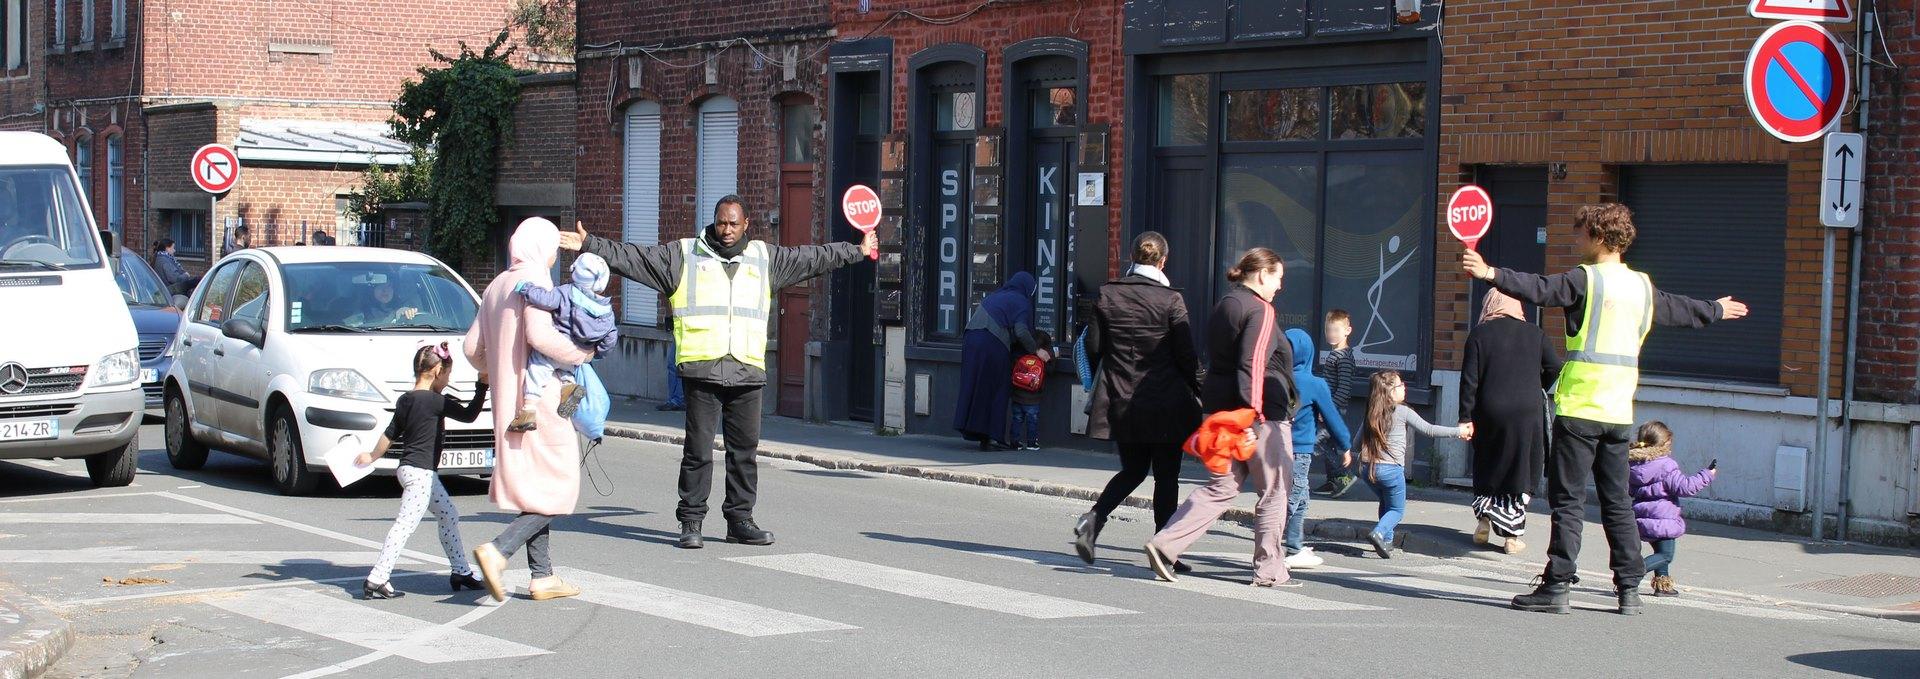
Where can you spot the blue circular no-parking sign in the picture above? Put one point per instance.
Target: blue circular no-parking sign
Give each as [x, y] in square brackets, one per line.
[1798, 81]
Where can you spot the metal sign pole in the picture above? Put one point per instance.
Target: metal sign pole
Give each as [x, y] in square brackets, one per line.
[1820, 403]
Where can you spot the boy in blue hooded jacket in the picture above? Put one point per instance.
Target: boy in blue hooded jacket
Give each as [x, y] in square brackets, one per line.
[1316, 406]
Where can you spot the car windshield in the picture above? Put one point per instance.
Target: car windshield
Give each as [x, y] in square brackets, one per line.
[42, 225]
[376, 297]
[138, 283]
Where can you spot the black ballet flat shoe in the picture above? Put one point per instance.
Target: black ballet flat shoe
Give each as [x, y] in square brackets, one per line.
[460, 581]
[384, 591]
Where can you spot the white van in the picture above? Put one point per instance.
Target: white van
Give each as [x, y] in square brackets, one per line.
[69, 358]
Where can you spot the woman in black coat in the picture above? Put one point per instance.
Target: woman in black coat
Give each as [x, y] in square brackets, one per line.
[1509, 364]
[1146, 398]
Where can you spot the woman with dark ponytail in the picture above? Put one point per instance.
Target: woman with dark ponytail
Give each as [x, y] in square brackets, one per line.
[1251, 368]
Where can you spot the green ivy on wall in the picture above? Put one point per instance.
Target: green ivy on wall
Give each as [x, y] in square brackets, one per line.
[464, 111]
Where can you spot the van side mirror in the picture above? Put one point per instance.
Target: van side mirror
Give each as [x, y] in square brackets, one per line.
[107, 242]
[244, 330]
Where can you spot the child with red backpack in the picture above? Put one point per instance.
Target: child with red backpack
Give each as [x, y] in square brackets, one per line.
[1029, 375]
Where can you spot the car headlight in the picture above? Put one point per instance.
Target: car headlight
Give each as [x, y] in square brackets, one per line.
[344, 383]
[116, 369]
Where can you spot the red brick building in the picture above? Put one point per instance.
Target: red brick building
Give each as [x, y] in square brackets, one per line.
[1558, 105]
[301, 90]
[679, 106]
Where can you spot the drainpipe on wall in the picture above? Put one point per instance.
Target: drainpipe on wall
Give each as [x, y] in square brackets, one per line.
[1855, 243]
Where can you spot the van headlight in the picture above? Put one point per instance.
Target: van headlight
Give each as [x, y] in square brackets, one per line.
[344, 383]
[116, 369]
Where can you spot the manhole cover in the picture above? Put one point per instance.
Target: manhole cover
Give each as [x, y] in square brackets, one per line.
[1870, 586]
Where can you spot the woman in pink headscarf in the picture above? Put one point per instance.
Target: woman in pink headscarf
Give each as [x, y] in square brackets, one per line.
[536, 473]
[1508, 365]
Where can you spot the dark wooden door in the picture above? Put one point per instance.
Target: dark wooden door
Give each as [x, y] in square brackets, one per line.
[796, 228]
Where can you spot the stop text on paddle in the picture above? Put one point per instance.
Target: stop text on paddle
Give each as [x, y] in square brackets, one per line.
[862, 207]
[1470, 214]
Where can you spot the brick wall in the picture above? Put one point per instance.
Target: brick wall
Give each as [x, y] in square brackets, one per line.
[23, 90]
[1599, 85]
[677, 80]
[1097, 23]
[1890, 269]
[544, 139]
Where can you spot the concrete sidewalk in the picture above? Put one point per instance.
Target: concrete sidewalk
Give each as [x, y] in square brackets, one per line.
[1712, 559]
[32, 638]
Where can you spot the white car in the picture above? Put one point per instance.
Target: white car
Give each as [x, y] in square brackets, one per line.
[287, 353]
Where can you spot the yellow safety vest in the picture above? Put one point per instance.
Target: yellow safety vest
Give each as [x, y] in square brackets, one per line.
[1603, 358]
[716, 315]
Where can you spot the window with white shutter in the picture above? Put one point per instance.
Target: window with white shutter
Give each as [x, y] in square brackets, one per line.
[640, 205]
[719, 156]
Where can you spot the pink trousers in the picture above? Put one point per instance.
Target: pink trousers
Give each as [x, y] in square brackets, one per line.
[1272, 472]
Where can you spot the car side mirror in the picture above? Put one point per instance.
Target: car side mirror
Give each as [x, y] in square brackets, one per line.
[244, 330]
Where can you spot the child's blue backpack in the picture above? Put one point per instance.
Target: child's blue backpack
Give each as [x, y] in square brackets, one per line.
[591, 417]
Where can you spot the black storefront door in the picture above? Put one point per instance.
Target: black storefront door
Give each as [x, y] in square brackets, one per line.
[1518, 239]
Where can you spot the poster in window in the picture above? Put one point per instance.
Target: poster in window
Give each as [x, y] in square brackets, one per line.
[1373, 264]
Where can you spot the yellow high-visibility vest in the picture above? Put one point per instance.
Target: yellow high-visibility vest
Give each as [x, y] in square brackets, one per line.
[714, 315]
[1603, 358]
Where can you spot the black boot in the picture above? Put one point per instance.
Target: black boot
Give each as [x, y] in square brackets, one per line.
[1086, 534]
[745, 532]
[1547, 597]
[1629, 599]
[690, 535]
[384, 590]
[460, 581]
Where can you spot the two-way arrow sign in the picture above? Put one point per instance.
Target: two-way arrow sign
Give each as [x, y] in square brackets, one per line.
[1843, 168]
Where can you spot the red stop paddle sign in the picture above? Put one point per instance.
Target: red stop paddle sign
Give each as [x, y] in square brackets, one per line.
[1470, 214]
[862, 207]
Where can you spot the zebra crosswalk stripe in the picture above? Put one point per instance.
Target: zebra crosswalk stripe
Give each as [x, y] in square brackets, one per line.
[1199, 585]
[113, 519]
[725, 615]
[368, 627]
[930, 587]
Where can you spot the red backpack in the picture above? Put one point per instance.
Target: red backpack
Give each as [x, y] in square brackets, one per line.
[1028, 372]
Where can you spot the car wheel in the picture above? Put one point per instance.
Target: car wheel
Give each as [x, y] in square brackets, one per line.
[184, 451]
[290, 472]
[114, 467]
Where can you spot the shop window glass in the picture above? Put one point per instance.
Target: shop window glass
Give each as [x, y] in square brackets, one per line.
[1268, 200]
[1054, 107]
[1183, 110]
[1373, 267]
[1273, 115]
[1382, 111]
[953, 111]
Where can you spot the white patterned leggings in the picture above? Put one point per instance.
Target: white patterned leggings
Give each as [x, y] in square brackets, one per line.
[421, 490]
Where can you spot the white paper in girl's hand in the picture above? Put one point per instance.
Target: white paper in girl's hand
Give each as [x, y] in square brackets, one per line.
[342, 460]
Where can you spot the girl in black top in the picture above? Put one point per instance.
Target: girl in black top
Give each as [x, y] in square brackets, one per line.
[419, 430]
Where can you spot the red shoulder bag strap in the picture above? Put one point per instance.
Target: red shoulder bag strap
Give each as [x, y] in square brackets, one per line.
[1262, 349]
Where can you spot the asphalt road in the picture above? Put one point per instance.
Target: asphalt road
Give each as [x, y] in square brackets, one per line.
[209, 573]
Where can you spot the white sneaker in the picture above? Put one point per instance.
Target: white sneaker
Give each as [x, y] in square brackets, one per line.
[1305, 559]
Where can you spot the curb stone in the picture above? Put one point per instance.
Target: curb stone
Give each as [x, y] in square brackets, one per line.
[35, 638]
[1326, 529]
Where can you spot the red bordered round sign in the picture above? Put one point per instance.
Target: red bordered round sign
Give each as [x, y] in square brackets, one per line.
[215, 168]
[1798, 81]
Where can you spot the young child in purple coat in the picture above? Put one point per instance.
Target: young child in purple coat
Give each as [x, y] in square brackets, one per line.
[1656, 485]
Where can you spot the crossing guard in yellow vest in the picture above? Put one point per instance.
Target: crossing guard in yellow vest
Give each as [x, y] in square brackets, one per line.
[720, 285]
[1609, 309]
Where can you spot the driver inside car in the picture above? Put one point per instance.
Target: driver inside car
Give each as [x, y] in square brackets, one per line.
[381, 306]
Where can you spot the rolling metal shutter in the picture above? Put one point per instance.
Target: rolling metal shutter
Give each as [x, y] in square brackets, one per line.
[1707, 231]
[640, 205]
[719, 156]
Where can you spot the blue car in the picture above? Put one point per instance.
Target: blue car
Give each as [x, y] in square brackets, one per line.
[156, 319]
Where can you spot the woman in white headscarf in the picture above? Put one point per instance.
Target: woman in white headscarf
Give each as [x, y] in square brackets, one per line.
[1509, 365]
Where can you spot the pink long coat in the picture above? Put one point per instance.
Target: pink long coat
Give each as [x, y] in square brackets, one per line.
[536, 471]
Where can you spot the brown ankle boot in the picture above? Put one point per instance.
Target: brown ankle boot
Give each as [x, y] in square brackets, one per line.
[523, 421]
[1663, 586]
